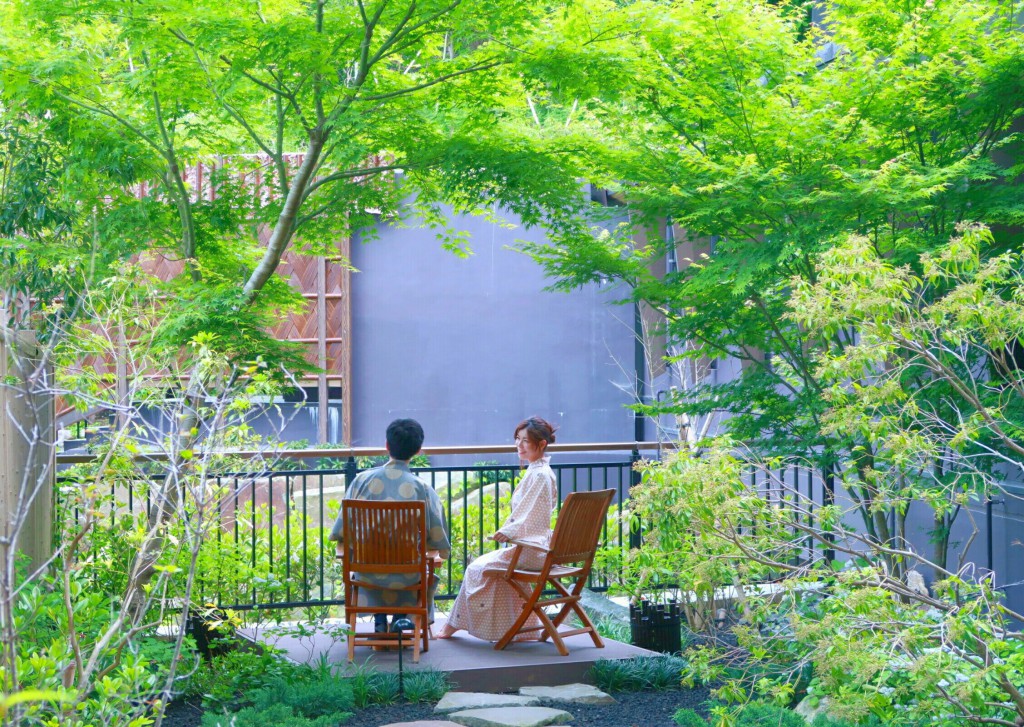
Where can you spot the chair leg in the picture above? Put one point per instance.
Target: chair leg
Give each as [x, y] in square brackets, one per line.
[566, 607]
[351, 619]
[589, 625]
[528, 608]
[551, 630]
[582, 615]
[418, 624]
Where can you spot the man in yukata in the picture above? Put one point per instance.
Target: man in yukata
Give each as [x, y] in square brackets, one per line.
[396, 483]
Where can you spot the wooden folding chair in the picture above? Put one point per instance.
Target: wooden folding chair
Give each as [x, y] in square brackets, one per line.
[385, 538]
[570, 556]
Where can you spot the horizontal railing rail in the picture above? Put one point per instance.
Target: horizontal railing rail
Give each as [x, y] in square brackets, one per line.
[357, 452]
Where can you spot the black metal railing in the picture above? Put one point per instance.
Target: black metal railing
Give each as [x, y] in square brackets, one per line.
[267, 544]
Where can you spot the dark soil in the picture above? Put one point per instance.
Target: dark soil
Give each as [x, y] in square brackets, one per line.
[632, 709]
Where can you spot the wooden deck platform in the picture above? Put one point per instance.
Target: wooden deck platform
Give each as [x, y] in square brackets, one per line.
[474, 665]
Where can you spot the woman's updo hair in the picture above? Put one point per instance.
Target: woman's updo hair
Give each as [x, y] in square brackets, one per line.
[537, 430]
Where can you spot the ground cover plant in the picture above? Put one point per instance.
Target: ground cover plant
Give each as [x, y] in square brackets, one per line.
[261, 687]
[763, 714]
[638, 673]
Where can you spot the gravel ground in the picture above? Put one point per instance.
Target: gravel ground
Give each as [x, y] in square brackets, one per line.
[632, 709]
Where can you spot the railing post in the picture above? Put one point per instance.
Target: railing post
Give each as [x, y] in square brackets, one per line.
[988, 539]
[636, 534]
[989, 544]
[351, 470]
[829, 498]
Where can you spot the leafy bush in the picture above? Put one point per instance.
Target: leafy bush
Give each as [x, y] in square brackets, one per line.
[365, 463]
[133, 668]
[675, 500]
[754, 714]
[763, 714]
[370, 687]
[222, 682]
[427, 685]
[689, 718]
[299, 697]
[613, 628]
[260, 556]
[823, 720]
[497, 473]
[318, 697]
[278, 715]
[638, 673]
[467, 537]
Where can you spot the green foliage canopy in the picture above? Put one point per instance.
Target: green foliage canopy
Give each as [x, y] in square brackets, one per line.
[725, 119]
[323, 117]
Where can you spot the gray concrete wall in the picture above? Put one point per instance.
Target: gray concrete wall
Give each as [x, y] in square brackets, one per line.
[469, 347]
[972, 536]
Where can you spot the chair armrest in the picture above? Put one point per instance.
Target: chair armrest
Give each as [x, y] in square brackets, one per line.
[514, 562]
[526, 544]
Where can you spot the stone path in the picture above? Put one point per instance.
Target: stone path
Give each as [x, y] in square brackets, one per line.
[476, 709]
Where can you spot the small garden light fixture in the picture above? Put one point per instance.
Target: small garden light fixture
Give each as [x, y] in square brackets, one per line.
[398, 626]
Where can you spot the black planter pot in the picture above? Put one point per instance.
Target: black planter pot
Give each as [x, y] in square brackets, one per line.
[210, 633]
[656, 626]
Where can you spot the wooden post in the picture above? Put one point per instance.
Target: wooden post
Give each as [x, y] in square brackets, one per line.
[346, 340]
[321, 349]
[26, 451]
[121, 374]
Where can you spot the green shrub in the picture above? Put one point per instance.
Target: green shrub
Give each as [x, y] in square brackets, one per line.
[823, 720]
[365, 463]
[277, 715]
[613, 628]
[134, 668]
[299, 697]
[763, 714]
[318, 697]
[499, 473]
[221, 682]
[638, 673]
[370, 687]
[428, 685]
[689, 718]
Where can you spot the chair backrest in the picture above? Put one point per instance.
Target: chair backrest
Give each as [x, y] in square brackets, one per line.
[384, 537]
[579, 526]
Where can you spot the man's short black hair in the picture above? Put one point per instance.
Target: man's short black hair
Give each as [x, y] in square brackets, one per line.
[405, 437]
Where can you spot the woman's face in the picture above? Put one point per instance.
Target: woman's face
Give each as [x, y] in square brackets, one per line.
[529, 450]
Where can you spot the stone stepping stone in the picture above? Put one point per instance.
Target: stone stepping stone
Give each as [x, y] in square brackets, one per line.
[425, 723]
[511, 717]
[459, 701]
[577, 693]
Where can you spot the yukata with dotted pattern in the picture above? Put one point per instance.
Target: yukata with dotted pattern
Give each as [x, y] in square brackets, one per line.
[487, 607]
[395, 482]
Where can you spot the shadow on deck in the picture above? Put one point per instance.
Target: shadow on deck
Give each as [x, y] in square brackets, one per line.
[474, 665]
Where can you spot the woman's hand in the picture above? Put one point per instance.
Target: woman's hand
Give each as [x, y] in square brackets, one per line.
[499, 537]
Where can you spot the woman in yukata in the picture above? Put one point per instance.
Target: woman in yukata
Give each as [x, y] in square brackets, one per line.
[487, 607]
